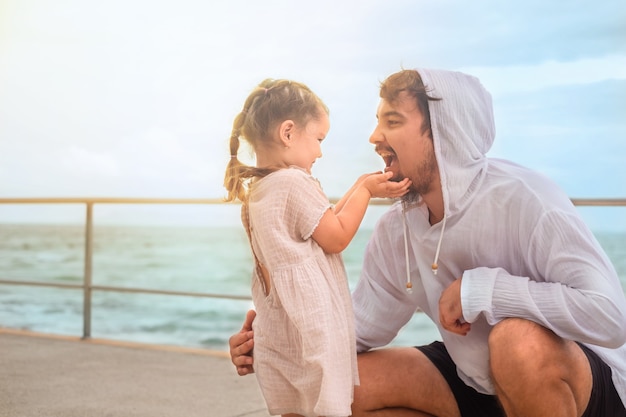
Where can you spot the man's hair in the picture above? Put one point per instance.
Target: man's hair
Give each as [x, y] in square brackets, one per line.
[410, 82]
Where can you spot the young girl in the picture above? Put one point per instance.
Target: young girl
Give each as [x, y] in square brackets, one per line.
[305, 353]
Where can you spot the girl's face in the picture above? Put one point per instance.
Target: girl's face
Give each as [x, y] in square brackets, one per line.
[306, 142]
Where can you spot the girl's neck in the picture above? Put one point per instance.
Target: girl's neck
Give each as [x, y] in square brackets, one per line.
[271, 158]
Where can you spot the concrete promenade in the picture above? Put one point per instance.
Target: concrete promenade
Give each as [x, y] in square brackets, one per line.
[57, 376]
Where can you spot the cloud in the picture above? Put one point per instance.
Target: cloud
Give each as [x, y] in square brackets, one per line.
[573, 133]
[160, 154]
[82, 162]
[139, 96]
[453, 33]
[519, 78]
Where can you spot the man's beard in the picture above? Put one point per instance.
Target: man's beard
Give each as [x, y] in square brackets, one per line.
[423, 176]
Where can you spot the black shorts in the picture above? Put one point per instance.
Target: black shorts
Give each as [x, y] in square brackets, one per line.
[604, 401]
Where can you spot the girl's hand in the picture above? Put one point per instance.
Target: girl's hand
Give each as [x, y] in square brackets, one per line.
[378, 185]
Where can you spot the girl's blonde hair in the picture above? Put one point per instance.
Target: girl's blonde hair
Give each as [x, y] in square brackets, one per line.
[269, 104]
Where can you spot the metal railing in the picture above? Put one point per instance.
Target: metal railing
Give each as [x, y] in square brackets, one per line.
[88, 287]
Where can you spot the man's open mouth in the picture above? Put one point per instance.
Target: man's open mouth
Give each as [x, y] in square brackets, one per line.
[387, 156]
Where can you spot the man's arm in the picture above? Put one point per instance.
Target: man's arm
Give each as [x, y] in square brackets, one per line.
[571, 287]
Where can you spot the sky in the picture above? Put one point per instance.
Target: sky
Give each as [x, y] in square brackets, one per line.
[136, 98]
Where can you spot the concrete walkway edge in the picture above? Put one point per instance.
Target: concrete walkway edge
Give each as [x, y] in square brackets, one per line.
[43, 375]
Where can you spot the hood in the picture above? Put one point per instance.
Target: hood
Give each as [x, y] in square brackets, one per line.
[463, 131]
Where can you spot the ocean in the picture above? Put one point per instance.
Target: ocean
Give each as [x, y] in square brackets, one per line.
[213, 259]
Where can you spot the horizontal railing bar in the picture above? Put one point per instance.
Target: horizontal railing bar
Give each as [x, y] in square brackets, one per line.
[167, 292]
[604, 202]
[41, 284]
[127, 200]
[111, 200]
[123, 200]
[126, 289]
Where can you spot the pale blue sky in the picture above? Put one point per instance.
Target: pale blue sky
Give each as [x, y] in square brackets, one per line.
[137, 97]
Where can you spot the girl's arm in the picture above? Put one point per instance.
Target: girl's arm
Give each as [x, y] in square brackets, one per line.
[337, 227]
[346, 196]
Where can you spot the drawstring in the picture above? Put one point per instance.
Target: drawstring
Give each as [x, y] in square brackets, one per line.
[409, 285]
[435, 266]
[443, 228]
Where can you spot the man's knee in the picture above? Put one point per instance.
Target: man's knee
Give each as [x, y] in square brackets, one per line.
[521, 347]
[512, 331]
[516, 343]
[528, 360]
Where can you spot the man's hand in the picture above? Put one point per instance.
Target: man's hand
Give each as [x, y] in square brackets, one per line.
[241, 345]
[451, 310]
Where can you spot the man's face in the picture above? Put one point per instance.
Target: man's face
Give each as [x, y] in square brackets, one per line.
[399, 140]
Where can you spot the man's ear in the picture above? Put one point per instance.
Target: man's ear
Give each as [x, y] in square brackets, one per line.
[285, 131]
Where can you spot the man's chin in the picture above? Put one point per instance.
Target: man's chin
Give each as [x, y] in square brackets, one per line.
[397, 177]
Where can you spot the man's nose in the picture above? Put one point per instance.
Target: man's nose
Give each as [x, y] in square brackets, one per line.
[376, 136]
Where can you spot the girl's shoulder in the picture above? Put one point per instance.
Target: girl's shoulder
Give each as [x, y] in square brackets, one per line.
[291, 182]
[290, 175]
[293, 171]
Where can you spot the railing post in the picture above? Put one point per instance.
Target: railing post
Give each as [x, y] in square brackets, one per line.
[88, 269]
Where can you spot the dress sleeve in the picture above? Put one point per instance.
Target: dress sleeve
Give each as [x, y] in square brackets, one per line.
[306, 203]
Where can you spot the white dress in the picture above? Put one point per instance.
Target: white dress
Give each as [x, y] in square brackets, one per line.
[305, 350]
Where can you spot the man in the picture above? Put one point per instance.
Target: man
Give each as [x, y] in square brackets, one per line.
[530, 309]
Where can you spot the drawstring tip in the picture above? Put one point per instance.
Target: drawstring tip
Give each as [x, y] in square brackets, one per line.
[409, 288]
[434, 268]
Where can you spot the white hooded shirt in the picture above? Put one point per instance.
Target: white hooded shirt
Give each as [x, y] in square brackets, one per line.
[512, 234]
